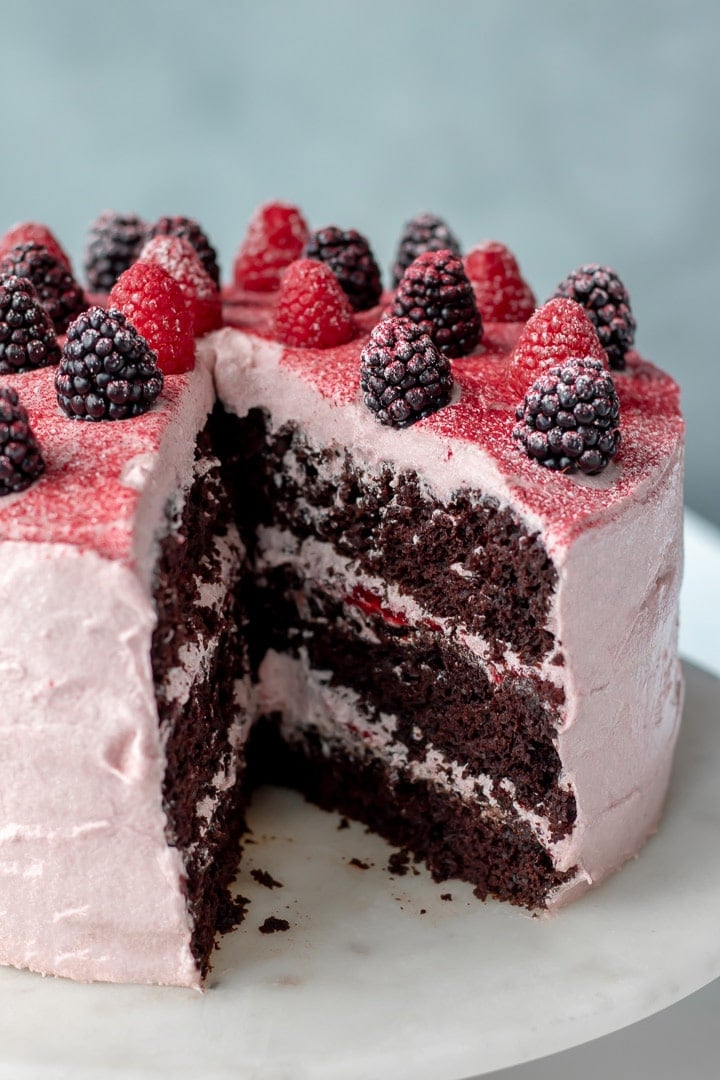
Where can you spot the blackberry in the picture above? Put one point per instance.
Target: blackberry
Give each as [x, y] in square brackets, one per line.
[402, 374]
[606, 301]
[59, 293]
[188, 229]
[435, 293]
[352, 262]
[426, 232]
[570, 418]
[27, 337]
[107, 371]
[113, 243]
[20, 458]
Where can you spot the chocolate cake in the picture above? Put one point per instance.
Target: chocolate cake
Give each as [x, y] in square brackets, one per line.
[395, 596]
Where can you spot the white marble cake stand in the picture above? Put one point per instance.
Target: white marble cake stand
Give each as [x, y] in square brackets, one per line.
[380, 977]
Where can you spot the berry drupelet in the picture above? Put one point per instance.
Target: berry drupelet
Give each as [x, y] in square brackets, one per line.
[348, 255]
[607, 303]
[436, 295]
[59, 293]
[188, 229]
[112, 246]
[570, 418]
[426, 232]
[403, 375]
[27, 336]
[20, 459]
[107, 370]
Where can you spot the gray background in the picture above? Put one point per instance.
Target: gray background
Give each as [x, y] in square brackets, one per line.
[573, 132]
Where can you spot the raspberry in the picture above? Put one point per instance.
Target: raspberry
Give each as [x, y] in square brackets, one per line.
[275, 237]
[570, 418]
[426, 232]
[107, 371]
[402, 374]
[180, 259]
[113, 243]
[151, 299]
[436, 294]
[501, 292]
[349, 257]
[32, 232]
[20, 458]
[59, 293]
[312, 310]
[558, 331]
[27, 336]
[606, 301]
[188, 229]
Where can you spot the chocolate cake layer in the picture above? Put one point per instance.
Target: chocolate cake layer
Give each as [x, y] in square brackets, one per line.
[441, 696]
[203, 793]
[456, 838]
[466, 560]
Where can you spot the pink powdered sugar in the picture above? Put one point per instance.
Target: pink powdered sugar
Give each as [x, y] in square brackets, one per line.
[81, 498]
[484, 414]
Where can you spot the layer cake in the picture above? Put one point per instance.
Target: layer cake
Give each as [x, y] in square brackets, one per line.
[256, 581]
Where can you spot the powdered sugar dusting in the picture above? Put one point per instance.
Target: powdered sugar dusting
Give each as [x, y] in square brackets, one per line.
[482, 414]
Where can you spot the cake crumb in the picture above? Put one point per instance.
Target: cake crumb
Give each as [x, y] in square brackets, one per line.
[231, 912]
[446, 896]
[423, 911]
[273, 925]
[359, 863]
[267, 880]
[399, 862]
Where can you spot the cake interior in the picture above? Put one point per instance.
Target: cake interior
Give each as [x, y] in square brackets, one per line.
[357, 649]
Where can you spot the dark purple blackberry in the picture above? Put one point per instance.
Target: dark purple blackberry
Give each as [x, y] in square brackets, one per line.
[107, 371]
[426, 232]
[570, 418]
[20, 458]
[113, 243]
[402, 374]
[606, 301]
[27, 336]
[57, 289]
[348, 255]
[188, 229]
[435, 294]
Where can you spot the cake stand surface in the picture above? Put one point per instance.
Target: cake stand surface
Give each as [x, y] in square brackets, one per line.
[378, 976]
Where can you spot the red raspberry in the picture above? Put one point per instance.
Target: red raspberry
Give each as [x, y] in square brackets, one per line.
[558, 331]
[275, 237]
[312, 309]
[32, 232]
[501, 292]
[153, 301]
[181, 261]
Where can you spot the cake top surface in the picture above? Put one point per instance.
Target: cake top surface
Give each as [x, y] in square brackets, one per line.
[98, 476]
[95, 473]
[481, 414]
